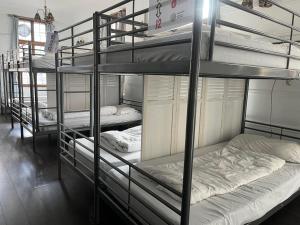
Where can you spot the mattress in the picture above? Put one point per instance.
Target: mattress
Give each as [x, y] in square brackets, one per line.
[246, 204]
[76, 120]
[179, 52]
[86, 156]
[45, 62]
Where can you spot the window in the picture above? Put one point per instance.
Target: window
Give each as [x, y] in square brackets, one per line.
[33, 32]
[206, 9]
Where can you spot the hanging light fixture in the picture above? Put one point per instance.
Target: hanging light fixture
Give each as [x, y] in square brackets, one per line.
[48, 16]
[248, 3]
[261, 3]
[265, 4]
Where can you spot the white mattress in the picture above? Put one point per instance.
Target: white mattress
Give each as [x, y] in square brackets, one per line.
[246, 204]
[222, 54]
[76, 120]
[44, 62]
[87, 157]
[178, 52]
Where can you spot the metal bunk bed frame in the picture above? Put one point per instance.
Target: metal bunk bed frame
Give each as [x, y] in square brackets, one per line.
[3, 86]
[192, 68]
[71, 68]
[22, 63]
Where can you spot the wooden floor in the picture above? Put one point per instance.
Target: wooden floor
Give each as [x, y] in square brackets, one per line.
[30, 193]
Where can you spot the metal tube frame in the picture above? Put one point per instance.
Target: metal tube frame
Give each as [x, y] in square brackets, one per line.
[194, 72]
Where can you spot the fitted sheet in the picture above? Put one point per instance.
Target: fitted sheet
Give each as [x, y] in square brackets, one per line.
[179, 52]
[245, 204]
[86, 156]
[45, 62]
[84, 121]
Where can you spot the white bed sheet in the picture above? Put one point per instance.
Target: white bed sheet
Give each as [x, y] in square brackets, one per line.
[44, 62]
[86, 156]
[74, 121]
[246, 204]
[180, 52]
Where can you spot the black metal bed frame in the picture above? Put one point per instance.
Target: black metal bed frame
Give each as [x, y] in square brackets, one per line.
[193, 68]
[73, 52]
[20, 61]
[3, 87]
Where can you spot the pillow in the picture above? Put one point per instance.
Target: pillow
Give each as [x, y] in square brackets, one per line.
[286, 150]
[108, 110]
[123, 110]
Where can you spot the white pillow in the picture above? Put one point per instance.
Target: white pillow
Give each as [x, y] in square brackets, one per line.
[125, 110]
[286, 150]
[108, 110]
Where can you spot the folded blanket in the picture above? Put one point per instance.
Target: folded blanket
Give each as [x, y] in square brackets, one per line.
[123, 141]
[216, 172]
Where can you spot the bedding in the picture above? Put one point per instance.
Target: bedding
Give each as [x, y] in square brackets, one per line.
[217, 172]
[86, 155]
[245, 204]
[82, 120]
[180, 52]
[286, 150]
[44, 62]
[104, 111]
[123, 141]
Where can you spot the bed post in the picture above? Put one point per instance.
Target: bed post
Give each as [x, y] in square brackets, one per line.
[5, 84]
[32, 98]
[36, 100]
[61, 105]
[11, 86]
[215, 7]
[245, 102]
[91, 105]
[58, 116]
[1, 78]
[291, 39]
[20, 100]
[96, 117]
[191, 112]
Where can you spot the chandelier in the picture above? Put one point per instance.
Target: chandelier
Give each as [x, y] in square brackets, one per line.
[48, 16]
[261, 3]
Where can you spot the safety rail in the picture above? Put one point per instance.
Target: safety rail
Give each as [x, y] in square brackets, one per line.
[131, 34]
[70, 153]
[269, 129]
[104, 36]
[71, 51]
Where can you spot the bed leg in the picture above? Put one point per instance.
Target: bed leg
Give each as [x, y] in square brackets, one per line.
[59, 168]
[33, 143]
[22, 132]
[12, 123]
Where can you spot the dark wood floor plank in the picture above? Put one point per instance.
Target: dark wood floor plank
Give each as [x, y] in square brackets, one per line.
[29, 189]
[30, 193]
[2, 219]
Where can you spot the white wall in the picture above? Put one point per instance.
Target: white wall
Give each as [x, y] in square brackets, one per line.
[285, 107]
[239, 17]
[66, 12]
[219, 113]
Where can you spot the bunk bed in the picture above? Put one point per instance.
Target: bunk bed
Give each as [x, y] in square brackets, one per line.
[3, 84]
[26, 104]
[36, 115]
[79, 60]
[215, 53]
